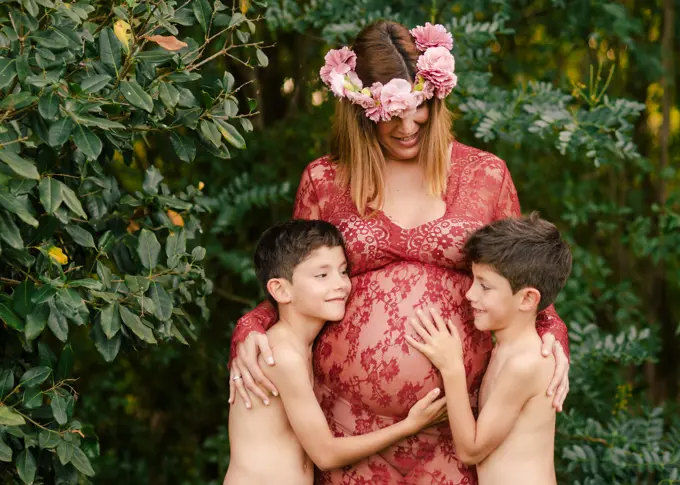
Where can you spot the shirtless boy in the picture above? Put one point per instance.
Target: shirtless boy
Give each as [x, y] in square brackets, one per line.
[303, 268]
[519, 266]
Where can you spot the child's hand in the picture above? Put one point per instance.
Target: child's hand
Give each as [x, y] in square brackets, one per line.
[427, 411]
[441, 341]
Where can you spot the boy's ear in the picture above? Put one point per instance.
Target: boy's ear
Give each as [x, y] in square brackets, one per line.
[279, 289]
[530, 298]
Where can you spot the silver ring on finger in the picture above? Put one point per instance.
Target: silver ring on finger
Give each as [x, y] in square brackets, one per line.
[236, 378]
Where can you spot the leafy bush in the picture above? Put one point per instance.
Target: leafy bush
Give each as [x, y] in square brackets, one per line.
[89, 247]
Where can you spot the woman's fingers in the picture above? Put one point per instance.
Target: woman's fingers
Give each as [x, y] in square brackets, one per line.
[253, 377]
[266, 351]
[561, 368]
[452, 329]
[420, 330]
[232, 386]
[258, 375]
[252, 386]
[548, 342]
[237, 381]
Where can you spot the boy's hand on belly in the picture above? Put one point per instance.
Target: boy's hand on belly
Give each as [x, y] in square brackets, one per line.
[441, 342]
[426, 412]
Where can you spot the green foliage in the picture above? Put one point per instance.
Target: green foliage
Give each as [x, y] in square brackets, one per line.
[97, 251]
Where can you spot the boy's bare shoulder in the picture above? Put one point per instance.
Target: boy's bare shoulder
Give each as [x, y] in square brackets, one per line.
[286, 353]
[530, 368]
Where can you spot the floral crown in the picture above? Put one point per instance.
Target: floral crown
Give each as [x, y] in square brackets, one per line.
[435, 75]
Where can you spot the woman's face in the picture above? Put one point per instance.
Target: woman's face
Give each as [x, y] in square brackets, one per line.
[400, 138]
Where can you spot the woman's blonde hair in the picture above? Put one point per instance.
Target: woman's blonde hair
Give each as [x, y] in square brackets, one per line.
[385, 50]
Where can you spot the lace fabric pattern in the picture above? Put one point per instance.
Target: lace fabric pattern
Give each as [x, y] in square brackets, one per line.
[367, 376]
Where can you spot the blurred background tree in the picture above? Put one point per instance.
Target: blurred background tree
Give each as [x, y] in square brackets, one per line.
[578, 97]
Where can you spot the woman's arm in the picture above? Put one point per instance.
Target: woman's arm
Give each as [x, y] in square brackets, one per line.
[549, 326]
[248, 339]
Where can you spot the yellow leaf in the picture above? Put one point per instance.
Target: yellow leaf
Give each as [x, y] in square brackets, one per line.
[124, 34]
[201, 185]
[57, 255]
[133, 227]
[175, 218]
[245, 5]
[168, 42]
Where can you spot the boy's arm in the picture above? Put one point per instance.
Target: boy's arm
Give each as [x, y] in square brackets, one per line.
[291, 377]
[474, 441]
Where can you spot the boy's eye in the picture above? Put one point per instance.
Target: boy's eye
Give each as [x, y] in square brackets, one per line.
[484, 287]
[344, 271]
[321, 275]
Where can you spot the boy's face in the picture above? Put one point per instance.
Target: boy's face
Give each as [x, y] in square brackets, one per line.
[320, 285]
[493, 303]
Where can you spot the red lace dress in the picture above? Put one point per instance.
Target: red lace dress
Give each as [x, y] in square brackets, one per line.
[367, 376]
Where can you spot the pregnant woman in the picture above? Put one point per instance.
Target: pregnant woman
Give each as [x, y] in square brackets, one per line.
[405, 195]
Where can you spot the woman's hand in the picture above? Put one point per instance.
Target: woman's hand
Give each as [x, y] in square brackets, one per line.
[559, 385]
[427, 411]
[246, 374]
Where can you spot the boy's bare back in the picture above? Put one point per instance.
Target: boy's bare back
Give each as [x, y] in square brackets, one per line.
[264, 448]
[526, 455]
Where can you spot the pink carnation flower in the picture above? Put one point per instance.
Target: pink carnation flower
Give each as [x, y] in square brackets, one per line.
[397, 98]
[436, 65]
[377, 111]
[432, 36]
[337, 84]
[363, 100]
[341, 61]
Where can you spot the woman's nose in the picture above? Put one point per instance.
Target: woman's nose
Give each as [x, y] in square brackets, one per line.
[408, 125]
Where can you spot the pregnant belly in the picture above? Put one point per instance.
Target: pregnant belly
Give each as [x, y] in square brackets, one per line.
[365, 361]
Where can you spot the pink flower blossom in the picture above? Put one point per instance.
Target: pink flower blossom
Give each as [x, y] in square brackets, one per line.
[337, 84]
[362, 99]
[437, 66]
[377, 111]
[397, 98]
[432, 36]
[341, 61]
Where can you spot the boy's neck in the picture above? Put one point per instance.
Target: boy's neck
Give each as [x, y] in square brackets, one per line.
[521, 327]
[304, 328]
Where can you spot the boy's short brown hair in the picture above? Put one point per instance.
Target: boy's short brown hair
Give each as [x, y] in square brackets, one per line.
[528, 252]
[285, 245]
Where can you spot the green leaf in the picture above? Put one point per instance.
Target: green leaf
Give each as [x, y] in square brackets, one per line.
[81, 462]
[231, 134]
[58, 405]
[81, 236]
[10, 318]
[198, 253]
[136, 95]
[26, 466]
[48, 439]
[104, 274]
[35, 376]
[175, 247]
[18, 205]
[203, 12]
[9, 232]
[88, 142]
[7, 71]
[9, 417]
[161, 300]
[22, 298]
[152, 178]
[168, 94]
[57, 323]
[59, 132]
[65, 452]
[95, 83]
[5, 451]
[48, 106]
[106, 241]
[88, 283]
[109, 50]
[36, 321]
[107, 347]
[109, 321]
[148, 249]
[184, 147]
[262, 58]
[71, 200]
[103, 123]
[17, 100]
[50, 194]
[65, 366]
[33, 397]
[19, 165]
[43, 294]
[6, 381]
[133, 322]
